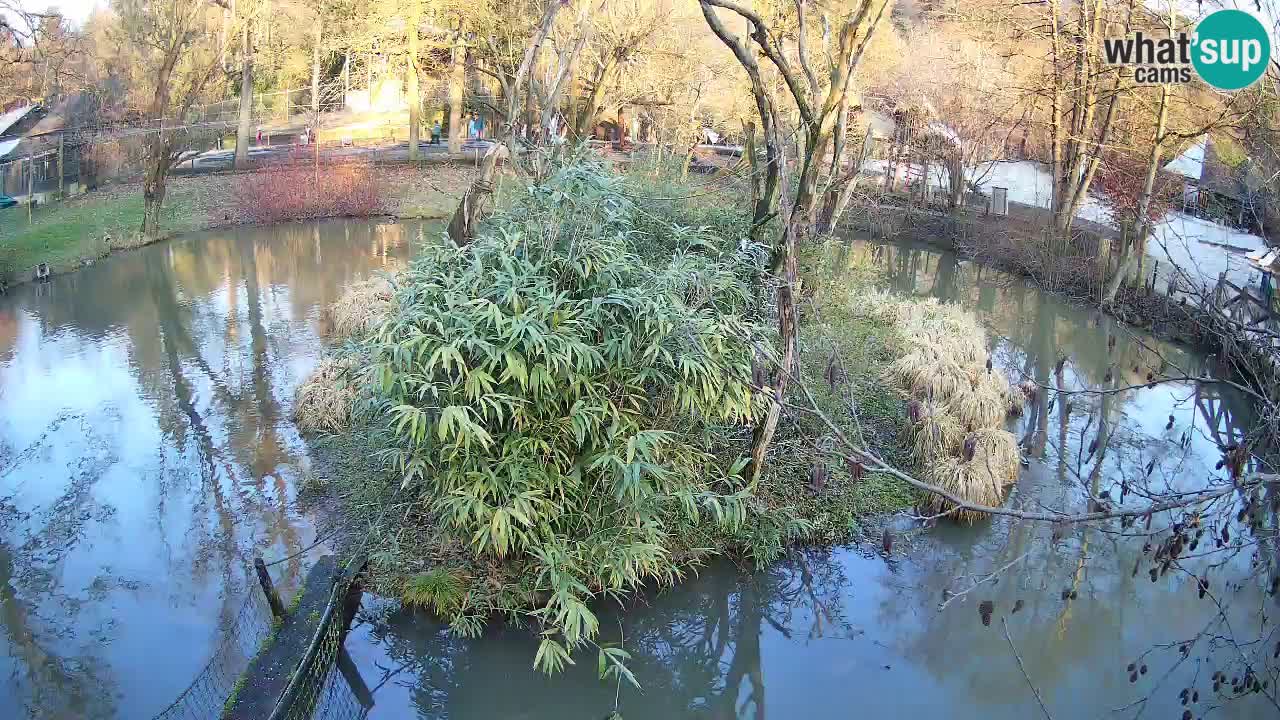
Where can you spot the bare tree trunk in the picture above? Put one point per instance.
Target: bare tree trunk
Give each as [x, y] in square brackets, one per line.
[788, 328]
[749, 132]
[1061, 219]
[522, 73]
[153, 187]
[245, 121]
[457, 78]
[1135, 249]
[955, 177]
[412, 81]
[477, 200]
[223, 32]
[157, 162]
[1077, 148]
[839, 191]
[315, 63]
[589, 111]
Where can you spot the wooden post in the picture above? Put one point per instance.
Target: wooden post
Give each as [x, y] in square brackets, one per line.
[31, 185]
[61, 149]
[269, 588]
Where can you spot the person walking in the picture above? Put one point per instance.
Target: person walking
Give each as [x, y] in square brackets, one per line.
[436, 131]
[479, 127]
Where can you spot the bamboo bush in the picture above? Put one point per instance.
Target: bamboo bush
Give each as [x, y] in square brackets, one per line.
[562, 405]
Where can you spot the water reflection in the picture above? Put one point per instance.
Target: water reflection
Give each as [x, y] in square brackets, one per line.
[834, 634]
[146, 450]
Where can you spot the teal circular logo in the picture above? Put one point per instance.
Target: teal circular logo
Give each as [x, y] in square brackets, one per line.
[1232, 49]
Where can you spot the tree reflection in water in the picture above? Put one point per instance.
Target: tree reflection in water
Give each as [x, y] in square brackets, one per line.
[696, 649]
[146, 451]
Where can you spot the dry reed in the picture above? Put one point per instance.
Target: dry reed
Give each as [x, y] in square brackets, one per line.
[324, 400]
[976, 405]
[957, 430]
[936, 434]
[362, 308]
[997, 450]
[971, 481]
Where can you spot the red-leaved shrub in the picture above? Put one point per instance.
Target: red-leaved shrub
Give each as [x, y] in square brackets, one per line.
[1119, 184]
[300, 192]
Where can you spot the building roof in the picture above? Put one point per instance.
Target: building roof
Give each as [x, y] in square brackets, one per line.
[33, 129]
[12, 117]
[1190, 164]
[1265, 258]
[880, 123]
[1220, 177]
[1202, 163]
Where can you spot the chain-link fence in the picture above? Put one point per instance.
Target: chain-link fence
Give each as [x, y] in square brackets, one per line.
[44, 171]
[206, 696]
[324, 683]
[320, 688]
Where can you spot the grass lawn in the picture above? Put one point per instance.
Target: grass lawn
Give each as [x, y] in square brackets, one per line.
[67, 234]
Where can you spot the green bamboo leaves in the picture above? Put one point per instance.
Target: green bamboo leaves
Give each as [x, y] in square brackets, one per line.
[562, 398]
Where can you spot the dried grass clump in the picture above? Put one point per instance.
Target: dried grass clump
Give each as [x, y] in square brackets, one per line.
[362, 308]
[325, 399]
[971, 481]
[927, 374]
[996, 450]
[946, 380]
[996, 384]
[977, 406]
[879, 305]
[936, 434]
[1014, 399]
[957, 419]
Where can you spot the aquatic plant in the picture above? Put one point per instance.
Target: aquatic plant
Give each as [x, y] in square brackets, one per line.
[959, 406]
[996, 450]
[935, 432]
[968, 479]
[976, 405]
[439, 589]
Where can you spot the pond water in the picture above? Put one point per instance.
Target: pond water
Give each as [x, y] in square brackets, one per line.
[146, 450]
[844, 632]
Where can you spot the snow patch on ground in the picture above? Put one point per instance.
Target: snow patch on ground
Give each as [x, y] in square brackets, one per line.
[1202, 249]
